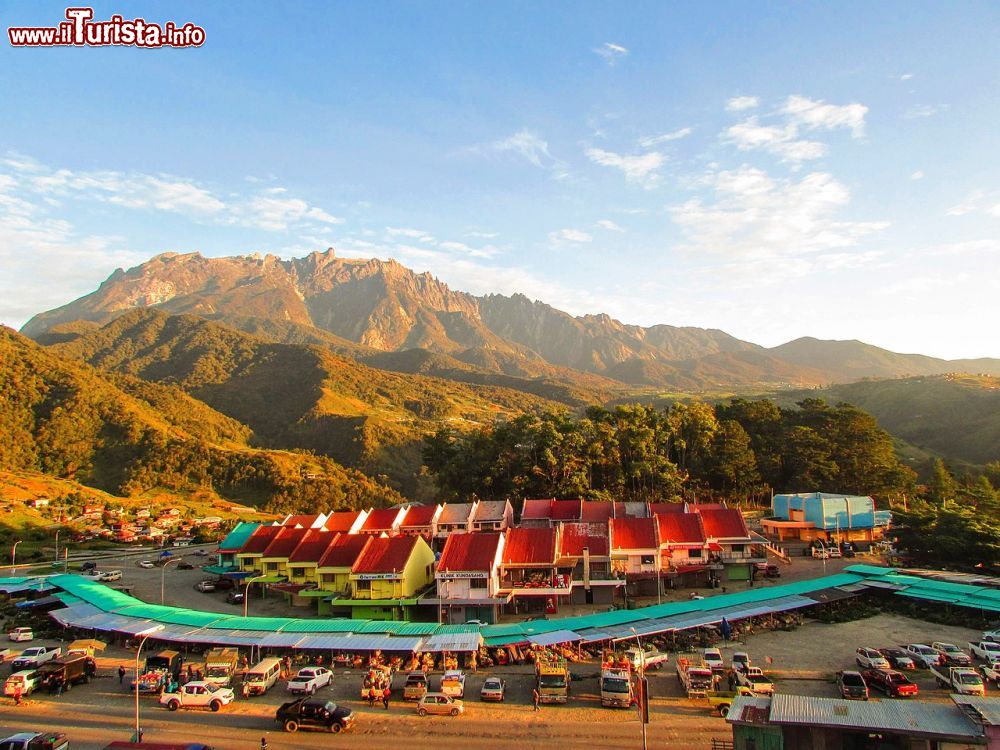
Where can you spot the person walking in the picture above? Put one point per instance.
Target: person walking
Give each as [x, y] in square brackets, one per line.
[121, 674]
[385, 698]
[263, 743]
[536, 698]
[372, 695]
[17, 695]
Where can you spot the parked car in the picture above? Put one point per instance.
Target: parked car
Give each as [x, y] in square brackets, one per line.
[201, 553]
[892, 683]
[224, 584]
[870, 658]
[991, 672]
[453, 683]
[146, 564]
[713, 659]
[21, 634]
[109, 576]
[755, 679]
[439, 703]
[986, 650]
[494, 689]
[35, 741]
[480, 623]
[198, 694]
[923, 655]
[847, 549]
[953, 655]
[27, 679]
[312, 713]
[235, 597]
[897, 658]
[852, 685]
[205, 587]
[88, 565]
[309, 680]
[833, 550]
[185, 566]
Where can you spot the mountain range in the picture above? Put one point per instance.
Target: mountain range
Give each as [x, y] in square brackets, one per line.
[391, 318]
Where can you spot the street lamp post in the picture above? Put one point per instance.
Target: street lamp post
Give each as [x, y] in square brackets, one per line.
[143, 635]
[163, 569]
[642, 687]
[56, 561]
[13, 558]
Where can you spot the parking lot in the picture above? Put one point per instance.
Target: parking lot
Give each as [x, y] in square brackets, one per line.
[801, 661]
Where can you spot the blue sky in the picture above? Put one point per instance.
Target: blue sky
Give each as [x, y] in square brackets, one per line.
[773, 170]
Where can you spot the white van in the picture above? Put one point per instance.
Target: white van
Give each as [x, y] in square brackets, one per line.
[28, 680]
[21, 634]
[110, 575]
[262, 677]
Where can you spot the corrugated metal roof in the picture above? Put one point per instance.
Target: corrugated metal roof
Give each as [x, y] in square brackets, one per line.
[984, 710]
[912, 718]
[469, 552]
[530, 546]
[634, 534]
[723, 523]
[452, 642]
[322, 626]
[236, 538]
[386, 555]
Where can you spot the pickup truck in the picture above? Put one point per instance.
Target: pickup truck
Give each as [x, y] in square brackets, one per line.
[35, 741]
[991, 672]
[961, 680]
[198, 694]
[713, 659]
[695, 677]
[755, 679]
[415, 686]
[309, 680]
[923, 655]
[649, 659]
[453, 684]
[953, 655]
[894, 684]
[722, 700]
[34, 657]
[986, 650]
[310, 713]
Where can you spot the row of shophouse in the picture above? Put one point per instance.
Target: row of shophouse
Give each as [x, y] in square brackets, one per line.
[470, 561]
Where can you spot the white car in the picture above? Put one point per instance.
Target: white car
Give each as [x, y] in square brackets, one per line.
[309, 680]
[740, 662]
[198, 694]
[713, 659]
[26, 679]
[21, 634]
[146, 564]
[870, 658]
[923, 655]
[110, 575]
[988, 651]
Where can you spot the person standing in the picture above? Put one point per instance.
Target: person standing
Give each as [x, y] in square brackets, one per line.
[17, 695]
[536, 698]
[385, 698]
[263, 743]
[121, 674]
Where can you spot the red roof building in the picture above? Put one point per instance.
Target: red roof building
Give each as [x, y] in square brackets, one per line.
[312, 546]
[346, 521]
[659, 508]
[421, 520]
[575, 536]
[681, 530]
[384, 521]
[551, 511]
[257, 542]
[313, 521]
[385, 555]
[465, 553]
[595, 511]
[343, 551]
[530, 547]
[392, 568]
[633, 534]
[724, 524]
[284, 542]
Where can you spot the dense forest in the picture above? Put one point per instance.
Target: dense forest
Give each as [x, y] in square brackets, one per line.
[738, 450]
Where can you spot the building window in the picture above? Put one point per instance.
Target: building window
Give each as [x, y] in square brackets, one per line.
[478, 583]
[647, 559]
[363, 586]
[737, 547]
[694, 553]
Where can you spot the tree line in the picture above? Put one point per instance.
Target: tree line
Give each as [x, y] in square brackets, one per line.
[739, 450]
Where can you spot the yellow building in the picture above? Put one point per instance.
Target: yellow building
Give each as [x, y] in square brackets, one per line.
[388, 577]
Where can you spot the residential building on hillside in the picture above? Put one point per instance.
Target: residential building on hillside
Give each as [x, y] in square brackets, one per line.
[455, 518]
[421, 520]
[684, 556]
[384, 521]
[346, 521]
[826, 516]
[388, 577]
[274, 559]
[333, 570]
[529, 573]
[585, 553]
[549, 512]
[492, 515]
[731, 547]
[249, 555]
[468, 577]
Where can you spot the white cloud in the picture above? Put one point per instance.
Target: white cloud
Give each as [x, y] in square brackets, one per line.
[740, 103]
[918, 175]
[640, 168]
[278, 214]
[978, 201]
[415, 234]
[611, 52]
[754, 217]
[526, 144]
[575, 236]
[750, 135]
[656, 140]
[906, 76]
[610, 225]
[818, 115]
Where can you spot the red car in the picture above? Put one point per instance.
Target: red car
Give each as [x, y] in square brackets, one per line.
[892, 683]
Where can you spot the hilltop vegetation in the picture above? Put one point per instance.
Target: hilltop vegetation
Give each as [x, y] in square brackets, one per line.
[736, 450]
[955, 416]
[68, 420]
